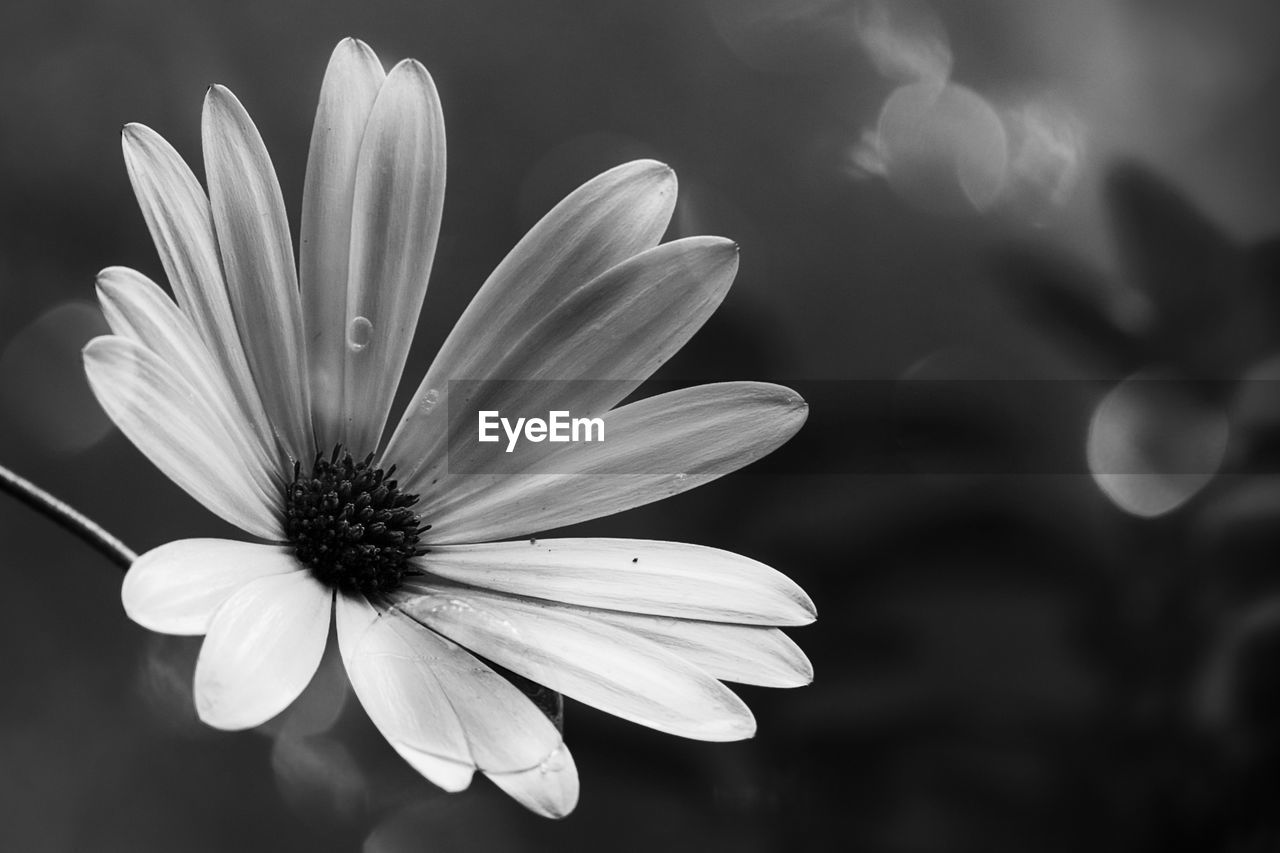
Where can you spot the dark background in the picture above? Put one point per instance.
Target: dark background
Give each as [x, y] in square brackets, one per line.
[1048, 662]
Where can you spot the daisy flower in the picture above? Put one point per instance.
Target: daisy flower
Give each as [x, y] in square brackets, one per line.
[264, 391]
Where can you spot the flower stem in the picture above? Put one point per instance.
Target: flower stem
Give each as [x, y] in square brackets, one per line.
[76, 522]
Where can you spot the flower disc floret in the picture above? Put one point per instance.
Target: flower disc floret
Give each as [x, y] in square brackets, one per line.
[351, 525]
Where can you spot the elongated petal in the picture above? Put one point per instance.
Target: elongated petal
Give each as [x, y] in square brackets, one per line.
[652, 449]
[747, 654]
[587, 659]
[178, 215]
[180, 432]
[257, 257]
[399, 195]
[428, 694]
[632, 575]
[264, 644]
[605, 221]
[612, 332]
[350, 86]
[135, 307]
[392, 673]
[451, 776]
[550, 789]
[177, 587]
[355, 615]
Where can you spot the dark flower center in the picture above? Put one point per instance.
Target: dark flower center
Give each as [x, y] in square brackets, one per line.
[350, 524]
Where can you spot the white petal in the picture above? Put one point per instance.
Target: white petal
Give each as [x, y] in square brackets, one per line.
[383, 702]
[452, 776]
[613, 332]
[587, 659]
[177, 213]
[177, 587]
[180, 432]
[631, 575]
[427, 694]
[399, 194]
[747, 654]
[350, 85]
[353, 614]
[653, 448]
[605, 221]
[257, 256]
[135, 307]
[550, 789]
[263, 646]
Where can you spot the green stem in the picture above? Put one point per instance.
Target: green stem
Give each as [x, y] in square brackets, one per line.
[76, 522]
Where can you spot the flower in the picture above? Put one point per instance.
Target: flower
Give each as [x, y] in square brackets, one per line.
[267, 402]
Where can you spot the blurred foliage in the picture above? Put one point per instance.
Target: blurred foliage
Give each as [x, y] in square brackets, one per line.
[1026, 668]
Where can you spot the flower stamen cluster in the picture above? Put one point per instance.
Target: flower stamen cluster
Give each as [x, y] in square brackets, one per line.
[351, 525]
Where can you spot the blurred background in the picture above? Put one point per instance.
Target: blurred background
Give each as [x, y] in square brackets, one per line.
[1016, 254]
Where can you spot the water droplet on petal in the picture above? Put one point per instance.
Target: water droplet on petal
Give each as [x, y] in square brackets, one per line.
[359, 334]
[681, 477]
[553, 763]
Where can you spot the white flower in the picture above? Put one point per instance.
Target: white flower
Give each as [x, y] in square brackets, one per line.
[250, 389]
